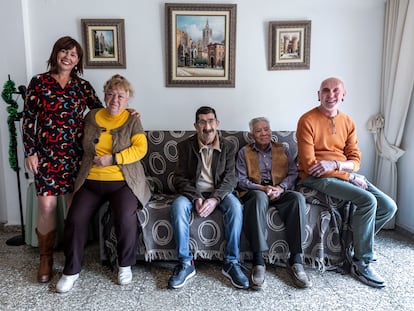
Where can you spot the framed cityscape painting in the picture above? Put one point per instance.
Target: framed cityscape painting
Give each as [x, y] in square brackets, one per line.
[200, 43]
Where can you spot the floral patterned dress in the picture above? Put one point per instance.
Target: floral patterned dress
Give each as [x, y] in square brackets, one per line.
[53, 128]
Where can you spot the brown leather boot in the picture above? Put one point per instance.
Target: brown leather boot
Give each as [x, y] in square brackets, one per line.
[46, 244]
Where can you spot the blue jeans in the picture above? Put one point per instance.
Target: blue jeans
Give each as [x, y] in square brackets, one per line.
[373, 210]
[232, 210]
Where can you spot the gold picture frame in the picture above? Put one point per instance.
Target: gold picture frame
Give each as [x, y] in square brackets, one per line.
[104, 43]
[200, 45]
[289, 45]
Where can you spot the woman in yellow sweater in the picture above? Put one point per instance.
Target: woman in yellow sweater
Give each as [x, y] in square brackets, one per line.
[114, 142]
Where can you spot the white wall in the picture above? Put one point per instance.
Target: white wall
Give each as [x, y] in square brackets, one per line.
[346, 41]
[12, 61]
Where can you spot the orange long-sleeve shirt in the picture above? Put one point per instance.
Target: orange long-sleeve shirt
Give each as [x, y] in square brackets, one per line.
[323, 138]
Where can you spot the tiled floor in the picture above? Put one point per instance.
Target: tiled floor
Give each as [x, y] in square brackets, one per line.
[209, 289]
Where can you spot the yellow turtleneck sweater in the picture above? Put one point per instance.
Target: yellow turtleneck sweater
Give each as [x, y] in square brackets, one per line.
[134, 153]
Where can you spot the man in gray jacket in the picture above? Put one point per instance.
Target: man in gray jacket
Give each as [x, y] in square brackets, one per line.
[205, 179]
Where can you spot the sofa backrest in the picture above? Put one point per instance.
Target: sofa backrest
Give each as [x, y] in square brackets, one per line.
[159, 162]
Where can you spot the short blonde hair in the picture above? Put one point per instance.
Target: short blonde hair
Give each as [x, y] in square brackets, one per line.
[118, 82]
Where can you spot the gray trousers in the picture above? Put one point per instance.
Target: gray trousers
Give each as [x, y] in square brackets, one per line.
[374, 210]
[291, 207]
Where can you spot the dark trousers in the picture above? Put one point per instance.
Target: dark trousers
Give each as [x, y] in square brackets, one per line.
[86, 202]
[291, 207]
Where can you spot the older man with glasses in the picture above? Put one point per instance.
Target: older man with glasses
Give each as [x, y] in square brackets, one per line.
[205, 179]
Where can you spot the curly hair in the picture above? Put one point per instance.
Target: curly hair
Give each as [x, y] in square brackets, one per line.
[117, 81]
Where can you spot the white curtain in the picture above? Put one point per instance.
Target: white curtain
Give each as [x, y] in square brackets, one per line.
[396, 88]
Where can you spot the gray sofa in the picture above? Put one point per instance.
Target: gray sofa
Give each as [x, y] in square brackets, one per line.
[327, 234]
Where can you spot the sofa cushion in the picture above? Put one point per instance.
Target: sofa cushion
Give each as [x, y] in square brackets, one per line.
[159, 162]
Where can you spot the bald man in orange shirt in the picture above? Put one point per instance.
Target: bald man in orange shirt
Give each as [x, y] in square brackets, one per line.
[329, 158]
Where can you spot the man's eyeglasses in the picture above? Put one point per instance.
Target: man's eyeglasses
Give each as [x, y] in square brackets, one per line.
[205, 122]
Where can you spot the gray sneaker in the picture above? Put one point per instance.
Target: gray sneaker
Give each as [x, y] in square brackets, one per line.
[257, 277]
[299, 276]
[363, 271]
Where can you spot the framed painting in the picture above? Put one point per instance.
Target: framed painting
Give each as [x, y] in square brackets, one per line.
[289, 45]
[200, 43]
[104, 43]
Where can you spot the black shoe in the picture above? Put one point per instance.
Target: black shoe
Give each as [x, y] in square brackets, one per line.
[181, 274]
[236, 276]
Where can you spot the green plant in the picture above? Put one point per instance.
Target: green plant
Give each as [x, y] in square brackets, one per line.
[7, 94]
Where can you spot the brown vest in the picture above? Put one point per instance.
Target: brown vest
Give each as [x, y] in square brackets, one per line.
[280, 164]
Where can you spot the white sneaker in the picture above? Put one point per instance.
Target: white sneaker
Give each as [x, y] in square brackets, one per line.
[124, 275]
[66, 283]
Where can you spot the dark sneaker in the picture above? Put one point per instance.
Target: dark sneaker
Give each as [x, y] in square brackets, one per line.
[363, 271]
[233, 272]
[299, 276]
[181, 274]
[257, 277]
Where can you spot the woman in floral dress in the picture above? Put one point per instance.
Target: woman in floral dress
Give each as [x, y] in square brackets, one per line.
[55, 105]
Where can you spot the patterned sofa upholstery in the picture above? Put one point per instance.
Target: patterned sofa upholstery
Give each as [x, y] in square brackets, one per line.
[327, 234]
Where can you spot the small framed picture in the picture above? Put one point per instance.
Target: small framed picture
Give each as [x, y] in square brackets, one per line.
[200, 43]
[289, 45]
[104, 43]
